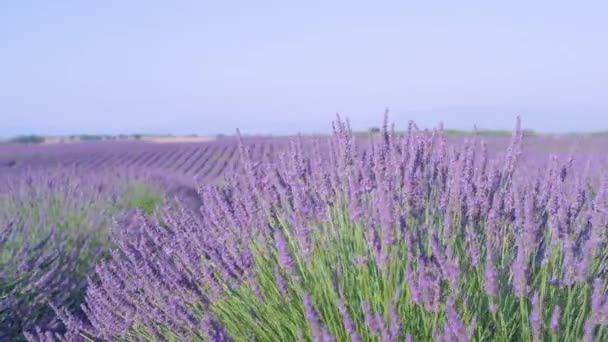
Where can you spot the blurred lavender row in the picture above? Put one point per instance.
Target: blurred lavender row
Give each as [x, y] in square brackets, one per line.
[209, 160]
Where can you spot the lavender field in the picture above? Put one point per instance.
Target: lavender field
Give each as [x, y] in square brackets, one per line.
[406, 234]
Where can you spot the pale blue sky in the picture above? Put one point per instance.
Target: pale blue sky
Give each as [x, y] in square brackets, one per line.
[280, 67]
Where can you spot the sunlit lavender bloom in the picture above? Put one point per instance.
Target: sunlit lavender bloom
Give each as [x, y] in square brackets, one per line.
[472, 246]
[536, 317]
[316, 326]
[429, 284]
[412, 282]
[326, 336]
[280, 281]
[349, 324]
[360, 261]
[395, 326]
[491, 282]
[518, 269]
[385, 334]
[599, 310]
[555, 318]
[490, 272]
[212, 330]
[285, 259]
[589, 330]
[373, 324]
[447, 260]
[454, 329]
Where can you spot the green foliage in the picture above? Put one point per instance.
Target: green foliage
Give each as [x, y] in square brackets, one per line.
[90, 137]
[343, 262]
[27, 139]
[276, 314]
[143, 196]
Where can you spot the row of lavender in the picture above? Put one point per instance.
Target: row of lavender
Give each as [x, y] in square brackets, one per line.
[208, 160]
[410, 236]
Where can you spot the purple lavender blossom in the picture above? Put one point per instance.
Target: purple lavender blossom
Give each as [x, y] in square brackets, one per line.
[536, 317]
[285, 259]
[519, 269]
[555, 318]
[319, 332]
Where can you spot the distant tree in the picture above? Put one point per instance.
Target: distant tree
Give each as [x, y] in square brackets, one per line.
[137, 136]
[455, 132]
[27, 139]
[599, 134]
[374, 130]
[89, 137]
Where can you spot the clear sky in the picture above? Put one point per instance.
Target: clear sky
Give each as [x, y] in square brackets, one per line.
[209, 67]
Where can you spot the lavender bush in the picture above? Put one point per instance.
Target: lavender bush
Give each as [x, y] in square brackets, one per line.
[53, 230]
[407, 237]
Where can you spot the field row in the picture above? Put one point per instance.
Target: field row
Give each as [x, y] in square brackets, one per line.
[206, 160]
